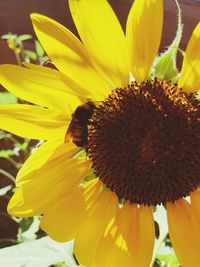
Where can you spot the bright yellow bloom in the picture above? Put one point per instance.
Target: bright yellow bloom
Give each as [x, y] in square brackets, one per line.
[79, 196]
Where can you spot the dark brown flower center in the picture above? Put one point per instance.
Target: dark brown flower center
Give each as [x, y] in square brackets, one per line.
[144, 142]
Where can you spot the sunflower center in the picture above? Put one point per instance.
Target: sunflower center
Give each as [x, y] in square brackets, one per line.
[144, 142]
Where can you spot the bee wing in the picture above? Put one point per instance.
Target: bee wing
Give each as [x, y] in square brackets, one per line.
[68, 135]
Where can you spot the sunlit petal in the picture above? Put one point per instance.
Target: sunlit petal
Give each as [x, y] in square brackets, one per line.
[63, 218]
[115, 247]
[44, 86]
[190, 74]
[183, 222]
[144, 28]
[70, 56]
[144, 238]
[100, 214]
[127, 238]
[33, 121]
[103, 38]
[66, 173]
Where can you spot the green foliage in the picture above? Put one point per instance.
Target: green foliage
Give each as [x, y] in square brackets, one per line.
[28, 228]
[24, 37]
[167, 257]
[30, 54]
[6, 154]
[18, 39]
[18, 44]
[39, 50]
[165, 65]
[7, 98]
[5, 189]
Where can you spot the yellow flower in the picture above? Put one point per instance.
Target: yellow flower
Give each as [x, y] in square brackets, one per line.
[141, 141]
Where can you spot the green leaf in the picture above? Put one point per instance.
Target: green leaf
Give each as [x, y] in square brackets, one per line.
[44, 59]
[9, 36]
[22, 146]
[28, 228]
[80, 153]
[5, 189]
[5, 154]
[24, 37]
[38, 253]
[5, 36]
[7, 98]
[165, 65]
[39, 50]
[166, 255]
[31, 54]
[4, 135]
[25, 223]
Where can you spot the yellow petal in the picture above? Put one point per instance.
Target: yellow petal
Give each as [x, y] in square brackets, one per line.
[70, 56]
[103, 38]
[195, 201]
[92, 190]
[63, 218]
[144, 29]
[44, 87]
[184, 232]
[130, 240]
[38, 188]
[145, 237]
[60, 221]
[45, 155]
[17, 201]
[116, 245]
[69, 86]
[93, 228]
[32, 121]
[190, 74]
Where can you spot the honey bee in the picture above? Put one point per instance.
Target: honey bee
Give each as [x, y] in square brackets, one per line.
[78, 127]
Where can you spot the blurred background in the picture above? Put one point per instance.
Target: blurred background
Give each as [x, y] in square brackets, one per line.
[14, 17]
[18, 43]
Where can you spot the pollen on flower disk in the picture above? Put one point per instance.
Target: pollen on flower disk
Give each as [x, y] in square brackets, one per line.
[144, 142]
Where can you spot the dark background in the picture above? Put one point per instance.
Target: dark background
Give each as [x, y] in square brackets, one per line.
[14, 17]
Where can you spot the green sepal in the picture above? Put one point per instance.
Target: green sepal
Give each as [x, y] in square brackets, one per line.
[165, 65]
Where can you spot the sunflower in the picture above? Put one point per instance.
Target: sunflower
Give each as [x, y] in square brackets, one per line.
[135, 137]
